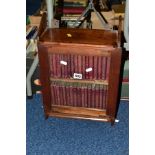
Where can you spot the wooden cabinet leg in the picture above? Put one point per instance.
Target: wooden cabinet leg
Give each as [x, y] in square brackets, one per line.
[112, 122]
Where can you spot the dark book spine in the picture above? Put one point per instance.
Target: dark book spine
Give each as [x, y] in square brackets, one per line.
[106, 96]
[89, 97]
[90, 71]
[82, 96]
[74, 95]
[65, 66]
[83, 67]
[85, 95]
[69, 66]
[60, 95]
[79, 64]
[93, 98]
[56, 93]
[63, 94]
[104, 68]
[107, 68]
[54, 65]
[75, 64]
[96, 97]
[68, 94]
[100, 98]
[99, 67]
[71, 96]
[58, 65]
[72, 65]
[95, 67]
[87, 65]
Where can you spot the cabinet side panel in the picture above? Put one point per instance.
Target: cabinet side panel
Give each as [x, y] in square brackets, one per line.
[114, 82]
[44, 77]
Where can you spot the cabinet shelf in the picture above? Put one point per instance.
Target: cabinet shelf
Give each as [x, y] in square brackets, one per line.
[103, 82]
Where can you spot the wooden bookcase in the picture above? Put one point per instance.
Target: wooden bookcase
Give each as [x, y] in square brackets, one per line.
[79, 72]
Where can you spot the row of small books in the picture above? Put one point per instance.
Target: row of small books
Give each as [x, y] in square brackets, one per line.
[79, 67]
[72, 9]
[79, 94]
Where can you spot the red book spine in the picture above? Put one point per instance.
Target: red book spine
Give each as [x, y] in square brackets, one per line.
[106, 96]
[75, 64]
[100, 98]
[71, 96]
[60, 95]
[95, 67]
[65, 66]
[62, 66]
[99, 67]
[104, 68]
[63, 94]
[69, 66]
[59, 65]
[97, 94]
[86, 96]
[93, 98]
[73, 10]
[56, 93]
[91, 66]
[54, 65]
[107, 68]
[82, 96]
[89, 97]
[79, 64]
[68, 95]
[87, 65]
[83, 67]
[72, 65]
[74, 96]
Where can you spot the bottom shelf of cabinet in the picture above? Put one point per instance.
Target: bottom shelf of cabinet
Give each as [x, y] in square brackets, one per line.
[79, 113]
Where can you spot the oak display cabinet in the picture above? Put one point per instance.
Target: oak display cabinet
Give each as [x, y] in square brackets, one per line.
[79, 72]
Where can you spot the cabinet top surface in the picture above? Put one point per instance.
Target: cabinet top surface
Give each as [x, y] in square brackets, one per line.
[80, 36]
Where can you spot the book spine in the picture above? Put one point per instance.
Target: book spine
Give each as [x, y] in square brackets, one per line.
[79, 64]
[63, 94]
[68, 94]
[54, 65]
[87, 65]
[71, 95]
[99, 68]
[100, 98]
[65, 66]
[83, 97]
[95, 67]
[90, 73]
[86, 96]
[60, 95]
[104, 68]
[83, 67]
[89, 96]
[107, 68]
[69, 66]
[93, 98]
[72, 65]
[76, 63]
